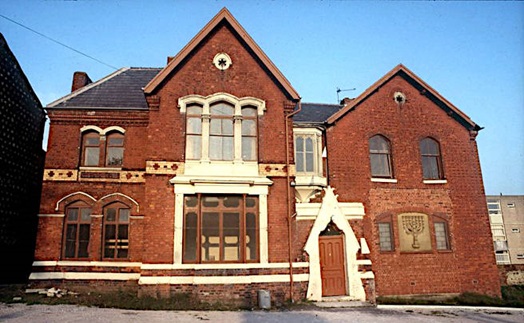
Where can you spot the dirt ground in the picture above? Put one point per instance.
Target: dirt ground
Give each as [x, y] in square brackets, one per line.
[391, 314]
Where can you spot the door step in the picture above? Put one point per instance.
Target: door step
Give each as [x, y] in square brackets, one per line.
[341, 301]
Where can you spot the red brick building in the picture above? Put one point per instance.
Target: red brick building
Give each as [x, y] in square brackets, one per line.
[210, 176]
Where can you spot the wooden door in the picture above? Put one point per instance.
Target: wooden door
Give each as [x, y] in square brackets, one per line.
[332, 265]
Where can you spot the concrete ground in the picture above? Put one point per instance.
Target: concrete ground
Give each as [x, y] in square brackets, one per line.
[390, 314]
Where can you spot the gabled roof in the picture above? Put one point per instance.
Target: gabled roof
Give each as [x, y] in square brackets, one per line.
[223, 16]
[420, 85]
[315, 113]
[122, 89]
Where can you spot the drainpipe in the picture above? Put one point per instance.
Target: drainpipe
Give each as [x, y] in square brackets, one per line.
[290, 199]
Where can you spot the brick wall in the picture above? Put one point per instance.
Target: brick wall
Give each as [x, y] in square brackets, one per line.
[470, 266]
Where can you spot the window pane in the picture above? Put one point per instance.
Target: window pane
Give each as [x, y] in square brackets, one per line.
[210, 201]
[249, 151]
[232, 201]
[251, 202]
[115, 156]
[85, 215]
[72, 214]
[251, 236]
[93, 141]
[380, 165]
[194, 109]
[222, 109]
[309, 162]
[194, 125]
[441, 236]
[115, 140]
[190, 236]
[228, 148]
[249, 127]
[91, 156]
[83, 241]
[70, 243]
[378, 144]
[299, 144]
[191, 201]
[430, 167]
[123, 217]
[210, 237]
[379, 155]
[249, 112]
[429, 146]
[231, 236]
[110, 214]
[385, 236]
[194, 147]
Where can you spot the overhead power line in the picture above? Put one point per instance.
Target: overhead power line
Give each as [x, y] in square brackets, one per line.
[58, 42]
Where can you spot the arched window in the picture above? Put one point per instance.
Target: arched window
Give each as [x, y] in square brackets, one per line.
[431, 159]
[380, 157]
[101, 149]
[91, 149]
[116, 231]
[77, 227]
[221, 127]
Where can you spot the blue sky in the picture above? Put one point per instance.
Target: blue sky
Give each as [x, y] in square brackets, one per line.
[471, 52]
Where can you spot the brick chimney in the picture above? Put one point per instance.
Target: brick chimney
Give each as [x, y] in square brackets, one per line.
[345, 101]
[80, 79]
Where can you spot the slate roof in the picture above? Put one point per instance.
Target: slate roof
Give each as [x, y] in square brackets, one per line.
[315, 113]
[122, 89]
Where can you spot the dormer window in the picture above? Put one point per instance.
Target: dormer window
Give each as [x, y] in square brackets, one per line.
[308, 151]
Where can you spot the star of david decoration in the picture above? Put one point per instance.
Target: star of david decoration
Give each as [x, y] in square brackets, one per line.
[222, 61]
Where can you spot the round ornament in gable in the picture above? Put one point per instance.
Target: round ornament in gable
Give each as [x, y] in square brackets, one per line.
[399, 97]
[222, 61]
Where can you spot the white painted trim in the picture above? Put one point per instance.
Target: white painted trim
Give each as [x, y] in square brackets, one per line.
[84, 276]
[91, 127]
[113, 128]
[273, 265]
[69, 195]
[221, 280]
[51, 215]
[222, 96]
[384, 180]
[435, 181]
[363, 262]
[367, 275]
[331, 211]
[364, 247]
[125, 196]
[45, 263]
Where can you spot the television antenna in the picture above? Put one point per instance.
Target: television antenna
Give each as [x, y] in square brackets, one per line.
[339, 90]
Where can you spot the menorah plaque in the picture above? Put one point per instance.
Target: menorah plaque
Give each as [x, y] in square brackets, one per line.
[413, 232]
[413, 225]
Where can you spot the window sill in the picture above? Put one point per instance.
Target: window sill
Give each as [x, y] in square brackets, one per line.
[383, 180]
[435, 181]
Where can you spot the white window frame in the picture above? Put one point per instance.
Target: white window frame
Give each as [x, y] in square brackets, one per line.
[316, 136]
[206, 102]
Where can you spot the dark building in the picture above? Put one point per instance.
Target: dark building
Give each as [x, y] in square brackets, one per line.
[22, 121]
